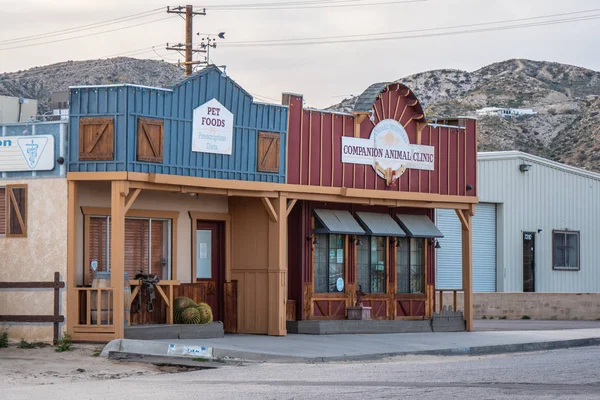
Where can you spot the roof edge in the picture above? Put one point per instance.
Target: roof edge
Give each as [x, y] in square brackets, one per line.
[515, 154]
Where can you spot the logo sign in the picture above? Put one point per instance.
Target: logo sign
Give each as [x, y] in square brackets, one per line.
[26, 153]
[388, 151]
[339, 285]
[212, 129]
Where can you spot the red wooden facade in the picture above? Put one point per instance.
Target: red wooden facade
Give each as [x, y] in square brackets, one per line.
[315, 146]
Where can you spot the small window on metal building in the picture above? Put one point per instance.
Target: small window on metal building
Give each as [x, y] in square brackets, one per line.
[565, 250]
[96, 139]
[150, 140]
[268, 152]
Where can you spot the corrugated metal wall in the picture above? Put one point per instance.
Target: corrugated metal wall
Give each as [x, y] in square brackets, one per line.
[449, 256]
[127, 103]
[545, 197]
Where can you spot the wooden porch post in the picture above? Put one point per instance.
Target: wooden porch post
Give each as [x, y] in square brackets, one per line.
[467, 265]
[71, 278]
[119, 193]
[277, 268]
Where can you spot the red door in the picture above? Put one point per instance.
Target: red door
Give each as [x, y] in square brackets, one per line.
[210, 263]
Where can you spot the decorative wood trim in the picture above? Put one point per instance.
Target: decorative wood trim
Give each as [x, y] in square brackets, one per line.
[106, 127]
[309, 146]
[270, 209]
[290, 206]
[294, 191]
[273, 150]
[13, 206]
[301, 150]
[97, 176]
[72, 299]
[333, 117]
[104, 211]
[157, 149]
[321, 150]
[358, 119]
[131, 198]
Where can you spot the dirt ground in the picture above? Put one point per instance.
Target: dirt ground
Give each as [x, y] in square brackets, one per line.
[44, 366]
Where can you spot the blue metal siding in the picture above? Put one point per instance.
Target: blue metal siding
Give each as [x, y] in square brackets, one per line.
[38, 128]
[128, 103]
[98, 102]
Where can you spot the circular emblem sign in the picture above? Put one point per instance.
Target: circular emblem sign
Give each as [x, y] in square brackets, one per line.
[391, 138]
[339, 284]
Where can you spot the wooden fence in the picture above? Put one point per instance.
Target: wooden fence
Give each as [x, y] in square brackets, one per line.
[56, 318]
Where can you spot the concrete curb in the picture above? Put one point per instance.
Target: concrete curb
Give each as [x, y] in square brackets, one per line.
[162, 349]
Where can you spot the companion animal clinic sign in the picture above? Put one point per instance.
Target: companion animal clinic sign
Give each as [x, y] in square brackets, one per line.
[212, 128]
[388, 150]
[26, 153]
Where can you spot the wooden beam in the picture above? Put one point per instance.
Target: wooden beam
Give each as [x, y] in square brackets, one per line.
[97, 176]
[131, 198]
[117, 255]
[72, 299]
[270, 209]
[463, 219]
[277, 269]
[358, 119]
[290, 206]
[467, 271]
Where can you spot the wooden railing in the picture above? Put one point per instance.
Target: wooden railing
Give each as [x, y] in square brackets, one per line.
[94, 310]
[439, 297]
[167, 298]
[56, 318]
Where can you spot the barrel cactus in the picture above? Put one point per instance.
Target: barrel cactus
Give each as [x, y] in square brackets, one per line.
[179, 305]
[191, 315]
[205, 311]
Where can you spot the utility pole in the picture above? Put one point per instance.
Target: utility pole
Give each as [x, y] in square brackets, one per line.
[187, 46]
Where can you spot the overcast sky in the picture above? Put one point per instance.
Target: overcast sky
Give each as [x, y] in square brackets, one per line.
[324, 73]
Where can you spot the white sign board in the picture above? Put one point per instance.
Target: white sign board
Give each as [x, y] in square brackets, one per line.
[212, 129]
[26, 153]
[388, 151]
[184, 350]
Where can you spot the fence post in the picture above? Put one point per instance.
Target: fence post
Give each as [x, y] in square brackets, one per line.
[56, 304]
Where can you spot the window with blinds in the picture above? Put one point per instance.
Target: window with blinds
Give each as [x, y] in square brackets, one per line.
[147, 246]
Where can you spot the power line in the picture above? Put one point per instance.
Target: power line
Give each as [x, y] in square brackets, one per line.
[415, 30]
[309, 5]
[83, 36]
[310, 41]
[83, 27]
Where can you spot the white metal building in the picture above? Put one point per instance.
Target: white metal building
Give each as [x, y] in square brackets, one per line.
[537, 228]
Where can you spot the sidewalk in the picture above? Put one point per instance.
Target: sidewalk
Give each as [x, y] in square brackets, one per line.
[490, 337]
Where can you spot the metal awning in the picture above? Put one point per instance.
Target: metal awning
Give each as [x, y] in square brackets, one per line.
[337, 221]
[380, 224]
[419, 226]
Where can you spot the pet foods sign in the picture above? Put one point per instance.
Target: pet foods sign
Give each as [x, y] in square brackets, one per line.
[388, 151]
[26, 153]
[212, 129]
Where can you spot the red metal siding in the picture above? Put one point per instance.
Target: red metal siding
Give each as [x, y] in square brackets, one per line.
[315, 148]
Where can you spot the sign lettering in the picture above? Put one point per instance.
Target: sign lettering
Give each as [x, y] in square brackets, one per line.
[388, 151]
[212, 129]
[27, 153]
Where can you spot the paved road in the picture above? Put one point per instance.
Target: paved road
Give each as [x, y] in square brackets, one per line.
[570, 373]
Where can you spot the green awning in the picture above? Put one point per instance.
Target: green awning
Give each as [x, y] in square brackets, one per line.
[338, 222]
[380, 224]
[419, 226]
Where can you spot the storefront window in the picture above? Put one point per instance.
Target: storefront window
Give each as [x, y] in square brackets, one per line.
[371, 264]
[147, 246]
[410, 265]
[329, 263]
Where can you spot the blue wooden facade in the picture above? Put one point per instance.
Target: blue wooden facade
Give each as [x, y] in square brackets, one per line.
[127, 103]
[57, 129]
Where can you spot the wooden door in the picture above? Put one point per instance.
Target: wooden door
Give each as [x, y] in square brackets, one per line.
[210, 263]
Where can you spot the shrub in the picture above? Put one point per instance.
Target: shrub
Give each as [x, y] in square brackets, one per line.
[24, 344]
[4, 339]
[64, 344]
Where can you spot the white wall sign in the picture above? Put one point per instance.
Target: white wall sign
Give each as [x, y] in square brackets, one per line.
[212, 129]
[388, 151]
[339, 285]
[26, 153]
